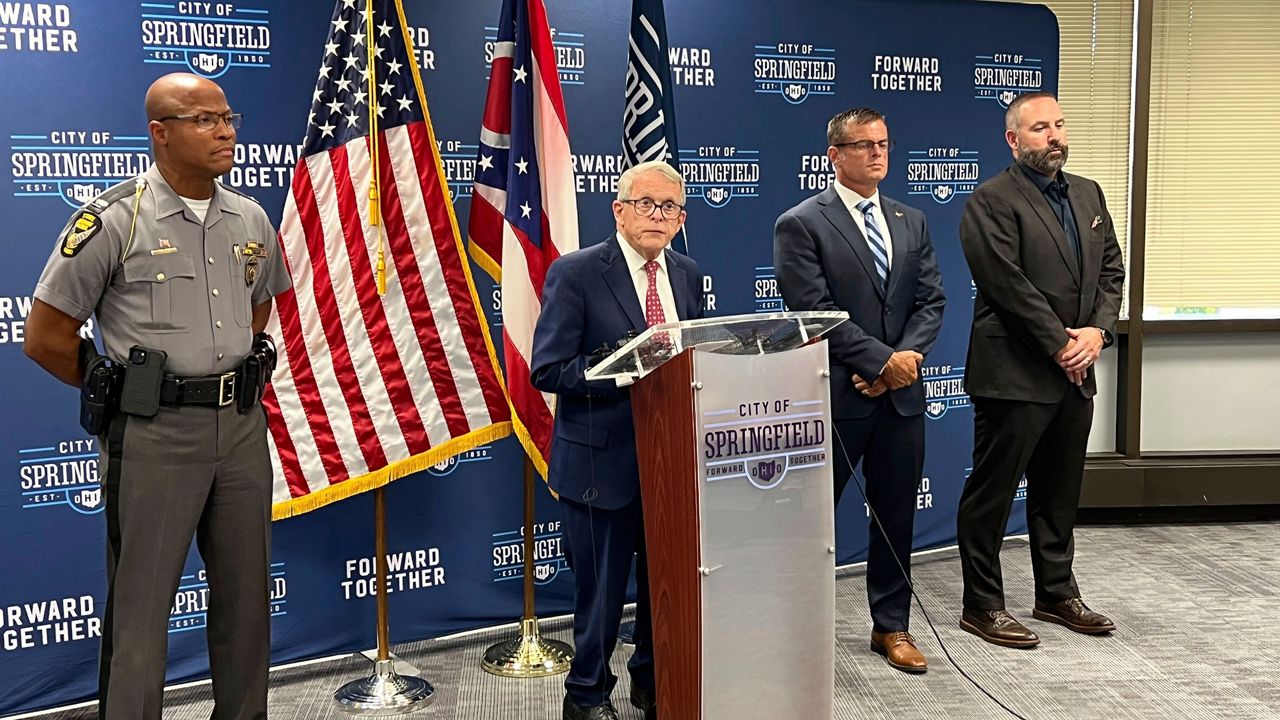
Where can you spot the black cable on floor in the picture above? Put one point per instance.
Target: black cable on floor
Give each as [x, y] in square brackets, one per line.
[876, 521]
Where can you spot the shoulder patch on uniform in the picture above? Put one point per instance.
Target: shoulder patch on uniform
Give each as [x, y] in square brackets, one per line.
[79, 232]
[241, 193]
[112, 194]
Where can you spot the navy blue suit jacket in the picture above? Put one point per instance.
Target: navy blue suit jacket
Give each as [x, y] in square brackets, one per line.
[589, 300]
[823, 262]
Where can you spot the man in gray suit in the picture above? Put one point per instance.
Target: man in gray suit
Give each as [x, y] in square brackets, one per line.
[1044, 256]
[850, 248]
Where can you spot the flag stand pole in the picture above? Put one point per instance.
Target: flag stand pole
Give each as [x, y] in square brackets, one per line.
[384, 693]
[528, 655]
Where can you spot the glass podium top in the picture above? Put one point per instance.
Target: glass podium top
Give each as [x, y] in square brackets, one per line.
[754, 334]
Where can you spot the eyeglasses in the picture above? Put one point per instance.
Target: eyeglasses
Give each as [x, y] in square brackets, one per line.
[864, 146]
[208, 121]
[644, 207]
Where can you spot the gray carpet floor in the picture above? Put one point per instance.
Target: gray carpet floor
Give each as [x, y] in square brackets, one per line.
[1195, 608]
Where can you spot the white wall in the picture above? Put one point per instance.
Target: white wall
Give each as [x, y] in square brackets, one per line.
[1102, 438]
[1209, 392]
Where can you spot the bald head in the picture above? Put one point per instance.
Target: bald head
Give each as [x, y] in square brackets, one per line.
[175, 94]
[189, 157]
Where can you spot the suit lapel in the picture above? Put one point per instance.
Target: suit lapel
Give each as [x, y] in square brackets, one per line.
[838, 215]
[618, 278]
[1084, 211]
[679, 282]
[899, 236]
[1041, 206]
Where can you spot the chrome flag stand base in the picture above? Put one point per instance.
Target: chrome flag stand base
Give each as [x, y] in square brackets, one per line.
[529, 655]
[384, 693]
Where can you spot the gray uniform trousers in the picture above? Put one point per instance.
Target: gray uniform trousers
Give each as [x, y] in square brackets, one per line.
[188, 470]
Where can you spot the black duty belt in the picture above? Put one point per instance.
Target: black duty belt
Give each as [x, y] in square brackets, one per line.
[213, 390]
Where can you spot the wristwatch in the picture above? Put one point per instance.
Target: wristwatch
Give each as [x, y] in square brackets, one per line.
[1107, 337]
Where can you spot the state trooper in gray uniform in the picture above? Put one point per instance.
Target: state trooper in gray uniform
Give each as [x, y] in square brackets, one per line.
[178, 268]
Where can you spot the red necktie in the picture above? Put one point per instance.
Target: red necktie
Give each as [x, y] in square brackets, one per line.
[652, 303]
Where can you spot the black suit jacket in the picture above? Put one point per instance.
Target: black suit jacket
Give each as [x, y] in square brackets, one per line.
[1030, 288]
[822, 262]
[589, 300]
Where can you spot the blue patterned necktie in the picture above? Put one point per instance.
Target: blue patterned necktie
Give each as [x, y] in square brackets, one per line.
[875, 241]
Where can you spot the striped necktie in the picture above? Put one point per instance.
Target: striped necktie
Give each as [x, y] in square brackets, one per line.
[875, 241]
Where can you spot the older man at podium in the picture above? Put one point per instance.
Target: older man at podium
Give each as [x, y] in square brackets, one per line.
[593, 298]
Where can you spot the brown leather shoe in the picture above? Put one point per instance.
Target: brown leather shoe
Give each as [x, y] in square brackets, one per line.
[899, 650]
[998, 628]
[1075, 615]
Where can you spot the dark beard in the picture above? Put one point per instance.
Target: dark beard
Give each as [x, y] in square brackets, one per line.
[1040, 160]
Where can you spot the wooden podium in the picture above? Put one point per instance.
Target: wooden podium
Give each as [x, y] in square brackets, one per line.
[733, 435]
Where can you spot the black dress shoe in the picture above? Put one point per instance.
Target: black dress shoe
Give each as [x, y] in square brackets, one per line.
[1075, 615]
[646, 700]
[998, 628]
[574, 711]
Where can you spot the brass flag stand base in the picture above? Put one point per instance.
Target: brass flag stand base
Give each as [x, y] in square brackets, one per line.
[529, 655]
[385, 693]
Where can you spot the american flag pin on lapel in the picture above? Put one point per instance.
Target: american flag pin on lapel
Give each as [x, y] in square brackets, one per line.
[1097, 220]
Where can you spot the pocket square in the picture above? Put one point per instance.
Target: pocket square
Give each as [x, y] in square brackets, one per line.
[1097, 220]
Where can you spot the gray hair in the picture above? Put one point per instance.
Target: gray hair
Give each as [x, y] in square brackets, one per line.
[659, 166]
[1012, 116]
[855, 116]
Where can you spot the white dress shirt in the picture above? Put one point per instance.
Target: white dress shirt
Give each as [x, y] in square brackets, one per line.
[635, 264]
[851, 200]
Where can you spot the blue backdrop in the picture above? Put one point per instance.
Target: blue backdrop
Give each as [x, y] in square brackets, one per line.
[752, 131]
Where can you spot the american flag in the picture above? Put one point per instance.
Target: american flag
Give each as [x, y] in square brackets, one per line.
[524, 211]
[370, 388]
